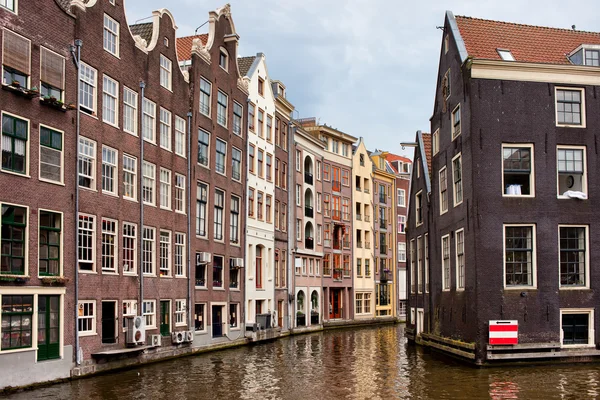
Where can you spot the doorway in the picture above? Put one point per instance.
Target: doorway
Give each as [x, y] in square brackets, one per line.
[109, 322]
[165, 317]
[48, 327]
[280, 313]
[335, 302]
[217, 321]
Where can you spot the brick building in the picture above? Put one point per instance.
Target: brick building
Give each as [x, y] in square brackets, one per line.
[510, 221]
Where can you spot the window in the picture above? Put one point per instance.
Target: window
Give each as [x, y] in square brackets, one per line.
[234, 220]
[180, 136]
[571, 170]
[110, 100]
[221, 150]
[519, 255]
[165, 253]
[577, 326]
[506, 55]
[149, 121]
[129, 310]
[219, 205]
[250, 202]
[129, 177]
[165, 188]
[86, 317]
[284, 129]
[233, 320]
[251, 150]
[367, 267]
[51, 155]
[9, 4]
[426, 250]
[268, 200]
[283, 223]
[223, 59]
[261, 85]
[401, 224]
[109, 245]
[419, 264]
[109, 170]
[518, 170]
[222, 102]
[446, 262]
[180, 313]
[435, 142]
[49, 263]
[413, 269]
[86, 241]
[148, 246]
[165, 72]
[87, 163]
[251, 111]
[259, 205]
[52, 73]
[460, 259]
[205, 93]
[269, 128]
[149, 313]
[457, 174]
[218, 271]
[574, 265]
[148, 182]
[236, 164]
[276, 218]
[165, 129]
[592, 57]
[16, 59]
[111, 35]
[298, 195]
[180, 254]
[199, 317]
[443, 191]
[401, 252]
[201, 208]
[180, 193]
[401, 198]
[14, 240]
[284, 176]
[269, 167]
[15, 134]
[261, 120]
[87, 88]
[259, 163]
[298, 229]
[237, 118]
[298, 162]
[345, 177]
[129, 247]
[130, 118]
[326, 172]
[319, 201]
[570, 107]
[456, 122]
[203, 145]
[17, 322]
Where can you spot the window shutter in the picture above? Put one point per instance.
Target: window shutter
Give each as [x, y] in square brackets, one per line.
[16, 51]
[52, 68]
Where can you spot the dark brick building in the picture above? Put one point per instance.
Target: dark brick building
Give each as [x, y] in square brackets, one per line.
[511, 216]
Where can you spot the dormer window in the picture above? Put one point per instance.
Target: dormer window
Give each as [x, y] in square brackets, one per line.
[281, 91]
[591, 58]
[166, 42]
[586, 55]
[506, 55]
[223, 59]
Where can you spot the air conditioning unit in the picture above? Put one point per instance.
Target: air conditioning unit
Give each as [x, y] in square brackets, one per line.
[155, 340]
[203, 258]
[177, 337]
[189, 336]
[237, 262]
[136, 330]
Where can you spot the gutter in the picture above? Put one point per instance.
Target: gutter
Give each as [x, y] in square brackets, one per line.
[141, 199]
[189, 219]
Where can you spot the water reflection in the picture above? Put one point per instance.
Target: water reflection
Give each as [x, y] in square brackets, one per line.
[370, 363]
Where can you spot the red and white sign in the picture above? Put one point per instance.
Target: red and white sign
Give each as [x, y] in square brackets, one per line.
[504, 332]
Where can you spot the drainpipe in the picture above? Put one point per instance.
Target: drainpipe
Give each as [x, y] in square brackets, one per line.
[291, 186]
[76, 53]
[189, 216]
[141, 198]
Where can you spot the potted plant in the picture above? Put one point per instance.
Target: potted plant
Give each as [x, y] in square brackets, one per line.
[54, 280]
[16, 84]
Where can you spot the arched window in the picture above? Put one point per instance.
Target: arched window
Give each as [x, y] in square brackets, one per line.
[259, 266]
[300, 302]
[314, 301]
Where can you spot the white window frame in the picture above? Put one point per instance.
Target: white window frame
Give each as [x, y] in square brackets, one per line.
[147, 167]
[149, 315]
[435, 142]
[217, 154]
[419, 264]
[454, 185]
[401, 251]
[166, 72]
[62, 155]
[413, 269]
[531, 175]
[130, 106]
[179, 255]
[130, 172]
[225, 53]
[15, 4]
[401, 194]
[165, 188]
[108, 31]
[91, 159]
[584, 179]
[151, 263]
[586, 284]
[27, 144]
[222, 109]
[443, 193]
[180, 312]
[204, 316]
[419, 205]
[446, 283]
[533, 258]
[108, 98]
[591, 331]
[92, 232]
[26, 241]
[237, 128]
[165, 253]
[114, 167]
[454, 124]
[134, 249]
[149, 120]
[88, 76]
[460, 232]
[180, 136]
[426, 251]
[129, 309]
[583, 113]
[180, 196]
[165, 122]
[207, 95]
[115, 251]
[81, 315]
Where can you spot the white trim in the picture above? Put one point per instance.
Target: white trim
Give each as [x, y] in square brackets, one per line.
[27, 145]
[62, 155]
[533, 258]
[449, 284]
[582, 105]
[452, 127]
[94, 316]
[587, 258]
[591, 331]
[444, 169]
[584, 179]
[532, 174]
[462, 187]
[61, 255]
[458, 287]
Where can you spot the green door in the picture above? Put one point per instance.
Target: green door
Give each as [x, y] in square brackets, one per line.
[48, 327]
[165, 317]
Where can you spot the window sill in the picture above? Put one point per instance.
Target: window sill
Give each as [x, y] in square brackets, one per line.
[22, 350]
[112, 194]
[130, 199]
[514, 288]
[180, 276]
[92, 115]
[147, 275]
[166, 148]
[152, 142]
[132, 274]
[84, 334]
[109, 273]
[165, 208]
[52, 182]
[200, 288]
[518, 196]
[131, 133]
[111, 124]
[88, 189]
[6, 171]
[88, 272]
[200, 332]
[569, 288]
[221, 289]
[559, 125]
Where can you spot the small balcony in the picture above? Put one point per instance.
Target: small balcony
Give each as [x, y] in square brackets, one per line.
[346, 216]
[383, 249]
[383, 223]
[308, 178]
[309, 243]
[233, 284]
[308, 211]
[337, 274]
[326, 270]
[327, 242]
[337, 244]
[359, 244]
[235, 174]
[358, 189]
[382, 198]
[200, 282]
[367, 245]
[385, 276]
[336, 215]
[367, 218]
[358, 217]
[336, 186]
[346, 244]
[367, 190]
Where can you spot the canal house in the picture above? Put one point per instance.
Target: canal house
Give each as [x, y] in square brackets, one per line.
[505, 219]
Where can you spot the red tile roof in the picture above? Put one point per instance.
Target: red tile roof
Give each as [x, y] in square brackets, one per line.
[393, 157]
[527, 43]
[184, 46]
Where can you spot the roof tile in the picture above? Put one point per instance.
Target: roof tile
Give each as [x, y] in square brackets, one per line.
[244, 64]
[184, 46]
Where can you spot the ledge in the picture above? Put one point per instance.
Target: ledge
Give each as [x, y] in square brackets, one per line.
[117, 352]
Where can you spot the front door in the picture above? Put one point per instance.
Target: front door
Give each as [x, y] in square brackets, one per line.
[335, 301]
[48, 327]
[280, 313]
[109, 322]
[165, 317]
[217, 321]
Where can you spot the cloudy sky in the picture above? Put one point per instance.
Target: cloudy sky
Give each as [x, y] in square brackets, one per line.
[366, 67]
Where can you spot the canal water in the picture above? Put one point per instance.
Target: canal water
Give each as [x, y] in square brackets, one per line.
[367, 363]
